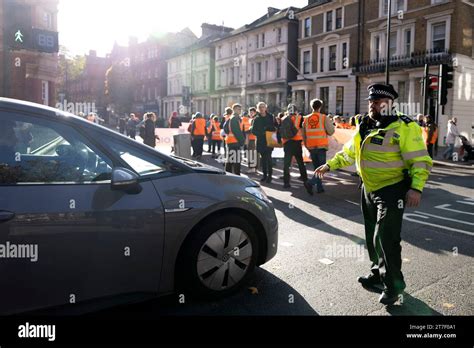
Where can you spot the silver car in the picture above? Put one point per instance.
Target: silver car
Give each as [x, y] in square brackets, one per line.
[87, 213]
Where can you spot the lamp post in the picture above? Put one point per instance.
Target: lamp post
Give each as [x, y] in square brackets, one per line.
[387, 62]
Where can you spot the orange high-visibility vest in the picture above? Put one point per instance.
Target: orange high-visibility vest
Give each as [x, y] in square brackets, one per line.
[246, 123]
[216, 133]
[199, 126]
[296, 121]
[425, 135]
[251, 135]
[231, 139]
[315, 131]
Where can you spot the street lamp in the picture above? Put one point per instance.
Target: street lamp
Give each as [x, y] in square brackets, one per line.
[387, 62]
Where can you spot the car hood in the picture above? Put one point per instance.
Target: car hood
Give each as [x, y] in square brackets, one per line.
[200, 167]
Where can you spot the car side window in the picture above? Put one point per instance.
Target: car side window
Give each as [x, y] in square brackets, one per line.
[34, 150]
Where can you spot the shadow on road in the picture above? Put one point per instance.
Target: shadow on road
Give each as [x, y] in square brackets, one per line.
[274, 297]
[412, 306]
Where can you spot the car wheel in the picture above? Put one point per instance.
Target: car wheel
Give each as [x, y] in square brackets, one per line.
[219, 257]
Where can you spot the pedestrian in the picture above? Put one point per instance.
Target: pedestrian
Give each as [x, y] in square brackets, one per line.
[122, 125]
[264, 122]
[174, 121]
[208, 132]
[253, 159]
[198, 132]
[132, 126]
[394, 165]
[316, 129]
[292, 137]
[451, 137]
[91, 117]
[227, 113]
[430, 134]
[235, 140]
[150, 137]
[216, 139]
[420, 120]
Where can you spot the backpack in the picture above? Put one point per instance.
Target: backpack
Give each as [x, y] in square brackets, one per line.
[287, 128]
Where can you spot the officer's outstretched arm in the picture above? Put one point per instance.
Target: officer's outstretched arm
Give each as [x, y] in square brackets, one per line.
[343, 158]
[415, 155]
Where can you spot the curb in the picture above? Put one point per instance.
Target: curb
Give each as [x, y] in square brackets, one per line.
[453, 165]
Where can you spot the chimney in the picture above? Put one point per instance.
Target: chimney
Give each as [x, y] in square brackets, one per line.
[272, 11]
[92, 53]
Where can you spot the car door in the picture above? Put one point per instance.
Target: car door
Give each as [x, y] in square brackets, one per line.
[65, 235]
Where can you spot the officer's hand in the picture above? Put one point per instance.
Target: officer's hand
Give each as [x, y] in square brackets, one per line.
[413, 199]
[319, 172]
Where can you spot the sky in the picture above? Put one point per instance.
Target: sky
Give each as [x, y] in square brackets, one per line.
[85, 25]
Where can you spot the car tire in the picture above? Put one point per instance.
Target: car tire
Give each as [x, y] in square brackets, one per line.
[197, 274]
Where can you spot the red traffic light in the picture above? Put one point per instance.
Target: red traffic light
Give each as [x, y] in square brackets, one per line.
[433, 83]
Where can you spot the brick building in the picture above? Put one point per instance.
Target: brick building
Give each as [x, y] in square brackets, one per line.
[148, 63]
[28, 74]
[431, 32]
[88, 87]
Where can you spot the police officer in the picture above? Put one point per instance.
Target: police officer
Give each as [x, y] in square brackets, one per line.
[394, 165]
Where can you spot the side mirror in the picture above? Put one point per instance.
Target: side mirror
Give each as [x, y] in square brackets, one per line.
[125, 180]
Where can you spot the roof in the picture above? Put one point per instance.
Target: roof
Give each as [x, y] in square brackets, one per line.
[315, 3]
[272, 16]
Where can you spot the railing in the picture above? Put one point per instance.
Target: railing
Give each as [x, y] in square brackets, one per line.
[414, 60]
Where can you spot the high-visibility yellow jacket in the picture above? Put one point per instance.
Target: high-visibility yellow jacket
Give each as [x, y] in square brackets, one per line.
[385, 153]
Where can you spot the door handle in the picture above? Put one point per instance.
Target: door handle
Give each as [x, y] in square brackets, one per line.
[6, 216]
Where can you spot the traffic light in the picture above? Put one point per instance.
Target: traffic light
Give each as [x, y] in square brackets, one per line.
[446, 77]
[18, 25]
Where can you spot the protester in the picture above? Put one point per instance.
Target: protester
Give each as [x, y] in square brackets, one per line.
[198, 132]
[216, 139]
[264, 122]
[253, 158]
[235, 140]
[430, 134]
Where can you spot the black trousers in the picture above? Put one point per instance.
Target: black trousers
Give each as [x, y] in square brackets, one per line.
[216, 144]
[233, 160]
[197, 144]
[430, 149]
[383, 215]
[292, 149]
[267, 162]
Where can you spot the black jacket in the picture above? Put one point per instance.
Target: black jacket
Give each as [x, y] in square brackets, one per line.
[262, 124]
[149, 138]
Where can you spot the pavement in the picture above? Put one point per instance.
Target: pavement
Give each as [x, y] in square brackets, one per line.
[321, 254]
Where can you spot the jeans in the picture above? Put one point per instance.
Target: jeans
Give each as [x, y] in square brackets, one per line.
[232, 164]
[449, 151]
[197, 144]
[216, 144]
[318, 157]
[293, 149]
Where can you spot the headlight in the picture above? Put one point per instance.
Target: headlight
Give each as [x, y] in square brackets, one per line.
[259, 193]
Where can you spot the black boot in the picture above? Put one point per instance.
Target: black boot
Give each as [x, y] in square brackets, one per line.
[389, 297]
[370, 281]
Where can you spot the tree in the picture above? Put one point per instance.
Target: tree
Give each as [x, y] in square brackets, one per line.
[119, 88]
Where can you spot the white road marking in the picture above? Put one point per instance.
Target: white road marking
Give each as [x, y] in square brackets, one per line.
[407, 217]
[445, 218]
[352, 202]
[462, 202]
[326, 261]
[444, 207]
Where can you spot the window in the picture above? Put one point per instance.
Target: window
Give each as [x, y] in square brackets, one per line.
[306, 62]
[345, 60]
[263, 40]
[438, 36]
[278, 68]
[378, 47]
[253, 72]
[307, 27]
[329, 21]
[324, 96]
[40, 151]
[332, 57]
[219, 51]
[257, 41]
[339, 18]
[259, 71]
[407, 43]
[397, 5]
[48, 20]
[339, 100]
[321, 59]
[232, 76]
[435, 2]
[402, 92]
[393, 44]
[279, 35]
[218, 77]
